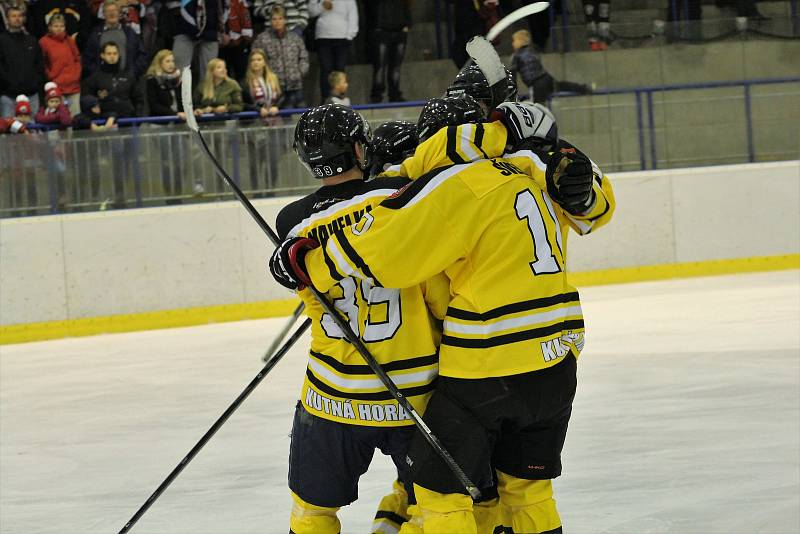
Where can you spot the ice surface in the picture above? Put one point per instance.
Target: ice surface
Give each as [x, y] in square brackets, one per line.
[687, 420]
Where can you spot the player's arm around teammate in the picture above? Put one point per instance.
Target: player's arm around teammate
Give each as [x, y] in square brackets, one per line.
[527, 136]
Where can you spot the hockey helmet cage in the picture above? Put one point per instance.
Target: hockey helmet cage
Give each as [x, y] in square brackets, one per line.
[471, 81]
[447, 111]
[392, 142]
[325, 138]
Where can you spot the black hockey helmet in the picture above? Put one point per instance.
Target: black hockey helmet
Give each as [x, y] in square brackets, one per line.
[471, 81]
[392, 142]
[447, 111]
[325, 138]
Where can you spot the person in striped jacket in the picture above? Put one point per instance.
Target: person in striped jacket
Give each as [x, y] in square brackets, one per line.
[296, 12]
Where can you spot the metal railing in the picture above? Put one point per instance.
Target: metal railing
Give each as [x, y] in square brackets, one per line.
[152, 161]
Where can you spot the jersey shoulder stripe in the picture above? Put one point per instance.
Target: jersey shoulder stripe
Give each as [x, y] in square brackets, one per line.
[406, 195]
[452, 140]
[341, 205]
[353, 256]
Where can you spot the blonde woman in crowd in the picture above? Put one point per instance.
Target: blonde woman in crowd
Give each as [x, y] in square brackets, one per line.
[163, 86]
[262, 93]
[218, 93]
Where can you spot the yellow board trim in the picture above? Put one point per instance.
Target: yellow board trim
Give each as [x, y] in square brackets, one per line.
[684, 270]
[22, 333]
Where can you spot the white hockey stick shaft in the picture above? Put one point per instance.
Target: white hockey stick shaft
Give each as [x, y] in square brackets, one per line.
[514, 16]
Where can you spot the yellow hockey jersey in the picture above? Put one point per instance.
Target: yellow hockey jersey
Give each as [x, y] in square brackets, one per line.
[395, 325]
[501, 242]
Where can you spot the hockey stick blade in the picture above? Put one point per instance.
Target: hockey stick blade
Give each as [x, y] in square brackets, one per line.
[272, 362]
[186, 98]
[514, 16]
[485, 57]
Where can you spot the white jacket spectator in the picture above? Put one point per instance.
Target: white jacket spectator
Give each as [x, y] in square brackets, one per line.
[337, 25]
[339, 21]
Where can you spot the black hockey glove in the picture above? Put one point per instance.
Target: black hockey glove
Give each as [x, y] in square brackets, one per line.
[287, 264]
[569, 181]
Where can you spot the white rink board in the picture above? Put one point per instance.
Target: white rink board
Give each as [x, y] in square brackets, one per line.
[108, 263]
[686, 421]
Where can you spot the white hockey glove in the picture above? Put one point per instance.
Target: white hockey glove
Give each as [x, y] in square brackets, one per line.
[528, 125]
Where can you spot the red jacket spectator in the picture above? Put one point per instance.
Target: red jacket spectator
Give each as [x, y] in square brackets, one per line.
[62, 62]
[237, 36]
[19, 122]
[76, 14]
[12, 125]
[238, 26]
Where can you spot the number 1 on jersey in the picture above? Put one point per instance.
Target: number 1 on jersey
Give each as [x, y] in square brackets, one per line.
[528, 209]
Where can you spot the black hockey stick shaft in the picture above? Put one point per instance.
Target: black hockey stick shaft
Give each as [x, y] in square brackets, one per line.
[279, 337]
[216, 426]
[351, 336]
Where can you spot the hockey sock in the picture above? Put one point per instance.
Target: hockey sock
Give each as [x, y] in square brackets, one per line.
[533, 508]
[307, 518]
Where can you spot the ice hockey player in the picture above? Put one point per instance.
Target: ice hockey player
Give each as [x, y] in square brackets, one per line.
[344, 412]
[392, 142]
[471, 81]
[513, 328]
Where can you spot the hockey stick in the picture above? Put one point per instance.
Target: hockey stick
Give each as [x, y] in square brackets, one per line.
[279, 337]
[271, 362]
[514, 16]
[352, 337]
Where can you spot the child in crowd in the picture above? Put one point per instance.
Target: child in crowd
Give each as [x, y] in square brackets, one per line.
[55, 113]
[22, 116]
[62, 61]
[88, 156]
[90, 111]
[338, 83]
[218, 93]
[526, 63]
[22, 157]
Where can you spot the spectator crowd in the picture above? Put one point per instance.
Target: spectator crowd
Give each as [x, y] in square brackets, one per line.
[124, 57]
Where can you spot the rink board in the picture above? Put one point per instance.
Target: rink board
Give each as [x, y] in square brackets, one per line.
[82, 274]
